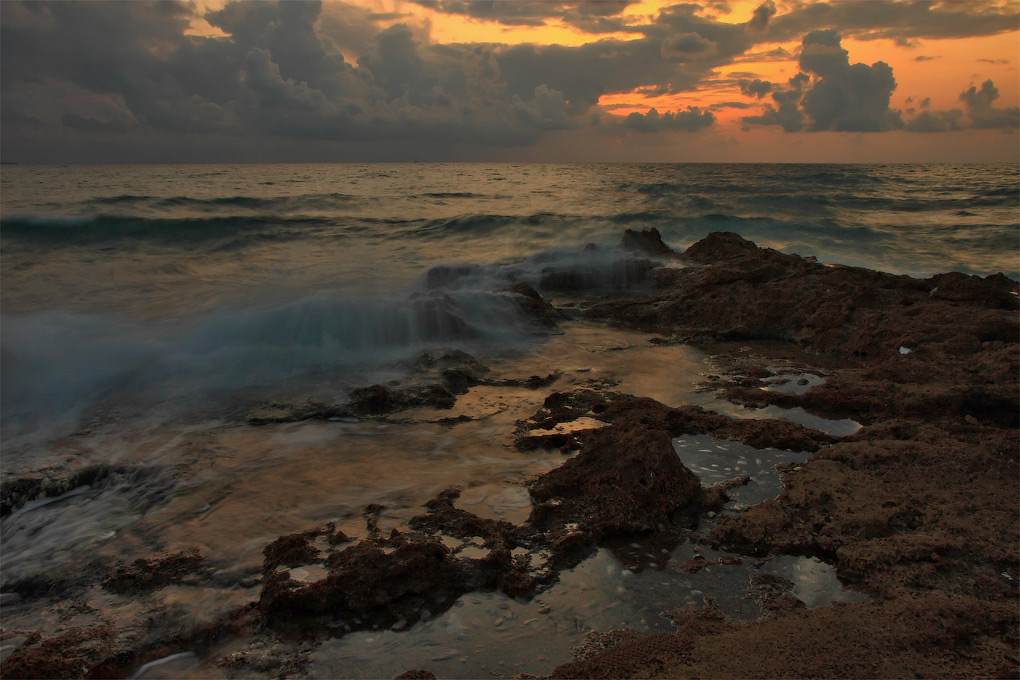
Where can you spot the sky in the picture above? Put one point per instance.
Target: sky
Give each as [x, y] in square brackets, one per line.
[214, 81]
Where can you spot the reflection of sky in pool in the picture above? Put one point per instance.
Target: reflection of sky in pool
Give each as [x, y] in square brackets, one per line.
[716, 460]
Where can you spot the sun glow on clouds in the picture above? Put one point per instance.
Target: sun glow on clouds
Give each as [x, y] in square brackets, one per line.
[522, 79]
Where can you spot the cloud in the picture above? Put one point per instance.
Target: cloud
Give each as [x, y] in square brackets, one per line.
[756, 88]
[841, 97]
[923, 57]
[845, 97]
[687, 46]
[978, 113]
[128, 76]
[529, 12]
[898, 21]
[759, 22]
[691, 120]
[787, 112]
[936, 121]
[982, 114]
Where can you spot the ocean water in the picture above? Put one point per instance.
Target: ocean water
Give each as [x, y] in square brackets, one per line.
[146, 308]
[184, 280]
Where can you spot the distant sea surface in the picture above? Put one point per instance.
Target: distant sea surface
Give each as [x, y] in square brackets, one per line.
[170, 281]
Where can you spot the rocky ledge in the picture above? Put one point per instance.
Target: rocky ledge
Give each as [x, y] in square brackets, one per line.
[917, 508]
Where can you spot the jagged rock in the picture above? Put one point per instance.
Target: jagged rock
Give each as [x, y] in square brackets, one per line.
[647, 242]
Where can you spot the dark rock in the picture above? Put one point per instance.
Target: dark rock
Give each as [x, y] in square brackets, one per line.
[693, 564]
[367, 575]
[533, 305]
[721, 247]
[283, 412]
[995, 292]
[379, 400]
[647, 243]
[374, 400]
[623, 480]
[144, 575]
[296, 549]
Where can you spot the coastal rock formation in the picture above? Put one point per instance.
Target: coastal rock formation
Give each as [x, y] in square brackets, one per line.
[917, 508]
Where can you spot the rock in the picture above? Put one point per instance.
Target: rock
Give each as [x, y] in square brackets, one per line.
[416, 674]
[693, 564]
[623, 480]
[367, 575]
[533, 305]
[284, 412]
[145, 575]
[374, 400]
[295, 549]
[720, 247]
[647, 243]
[377, 400]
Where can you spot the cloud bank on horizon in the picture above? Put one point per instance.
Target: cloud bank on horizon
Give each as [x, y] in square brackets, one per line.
[120, 82]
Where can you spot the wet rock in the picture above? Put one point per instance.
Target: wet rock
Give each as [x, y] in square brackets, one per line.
[623, 480]
[429, 361]
[908, 637]
[624, 273]
[596, 642]
[995, 292]
[416, 674]
[145, 575]
[18, 491]
[285, 412]
[693, 564]
[534, 306]
[70, 654]
[382, 575]
[647, 242]
[772, 593]
[377, 400]
[627, 410]
[296, 549]
[532, 383]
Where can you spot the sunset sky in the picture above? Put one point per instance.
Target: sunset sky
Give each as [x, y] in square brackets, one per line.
[580, 80]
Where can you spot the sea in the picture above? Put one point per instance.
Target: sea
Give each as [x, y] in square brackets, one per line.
[145, 308]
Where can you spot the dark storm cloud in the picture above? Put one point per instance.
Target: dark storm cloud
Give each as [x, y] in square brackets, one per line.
[126, 75]
[900, 21]
[275, 74]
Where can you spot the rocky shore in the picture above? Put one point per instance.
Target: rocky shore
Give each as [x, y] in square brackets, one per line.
[917, 509]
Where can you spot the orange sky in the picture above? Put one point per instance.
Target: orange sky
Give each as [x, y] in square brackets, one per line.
[953, 66]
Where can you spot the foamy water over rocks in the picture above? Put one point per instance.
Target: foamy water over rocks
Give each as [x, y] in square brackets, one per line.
[426, 432]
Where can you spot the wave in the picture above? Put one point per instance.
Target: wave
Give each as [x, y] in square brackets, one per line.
[59, 367]
[299, 203]
[102, 228]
